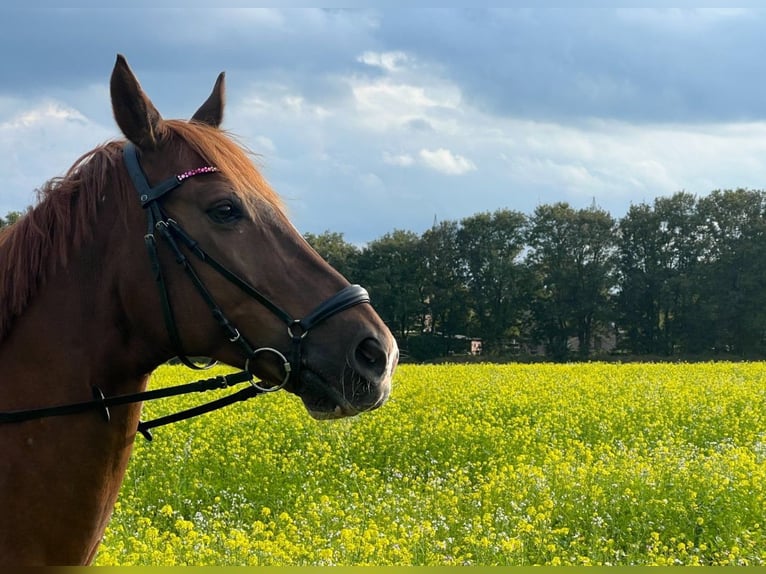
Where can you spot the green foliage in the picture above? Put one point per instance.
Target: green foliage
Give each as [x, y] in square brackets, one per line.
[442, 282]
[426, 347]
[640, 464]
[335, 250]
[391, 269]
[572, 259]
[490, 246]
[691, 274]
[682, 276]
[10, 218]
[730, 281]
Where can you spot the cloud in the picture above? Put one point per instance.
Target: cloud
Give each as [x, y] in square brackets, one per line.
[405, 93]
[402, 160]
[40, 140]
[46, 113]
[388, 61]
[397, 117]
[617, 163]
[365, 111]
[644, 65]
[264, 145]
[388, 104]
[444, 161]
[679, 20]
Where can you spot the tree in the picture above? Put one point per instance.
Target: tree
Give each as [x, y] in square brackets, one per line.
[661, 249]
[572, 261]
[335, 250]
[389, 268]
[10, 218]
[442, 283]
[638, 302]
[732, 298]
[490, 245]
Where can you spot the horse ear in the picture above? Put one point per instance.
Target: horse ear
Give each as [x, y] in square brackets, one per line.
[134, 112]
[211, 112]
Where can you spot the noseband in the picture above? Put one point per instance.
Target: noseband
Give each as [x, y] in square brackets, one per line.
[174, 236]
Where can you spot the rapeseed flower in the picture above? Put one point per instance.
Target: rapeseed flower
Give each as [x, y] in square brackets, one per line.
[515, 465]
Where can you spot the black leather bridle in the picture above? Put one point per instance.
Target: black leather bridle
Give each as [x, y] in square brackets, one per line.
[173, 234]
[158, 223]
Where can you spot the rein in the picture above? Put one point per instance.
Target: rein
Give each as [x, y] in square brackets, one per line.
[102, 403]
[172, 234]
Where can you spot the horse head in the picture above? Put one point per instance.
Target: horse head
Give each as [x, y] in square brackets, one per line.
[237, 282]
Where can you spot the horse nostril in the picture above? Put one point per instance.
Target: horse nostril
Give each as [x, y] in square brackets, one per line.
[371, 356]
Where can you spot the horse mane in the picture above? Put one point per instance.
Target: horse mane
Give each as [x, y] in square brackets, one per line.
[64, 216]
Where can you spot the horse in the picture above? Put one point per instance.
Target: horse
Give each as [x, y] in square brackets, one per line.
[167, 242]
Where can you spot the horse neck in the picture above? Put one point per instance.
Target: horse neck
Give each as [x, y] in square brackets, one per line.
[59, 476]
[76, 329]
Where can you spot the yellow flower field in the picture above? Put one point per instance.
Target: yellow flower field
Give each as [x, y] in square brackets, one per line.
[466, 464]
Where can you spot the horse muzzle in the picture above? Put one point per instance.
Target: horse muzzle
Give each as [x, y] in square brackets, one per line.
[363, 385]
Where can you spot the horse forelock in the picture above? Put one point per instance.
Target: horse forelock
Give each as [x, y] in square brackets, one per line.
[66, 210]
[221, 150]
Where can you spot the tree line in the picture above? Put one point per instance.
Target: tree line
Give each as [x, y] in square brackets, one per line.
[679, 277]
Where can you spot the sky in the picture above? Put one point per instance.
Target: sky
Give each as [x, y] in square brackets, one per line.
[370, 120]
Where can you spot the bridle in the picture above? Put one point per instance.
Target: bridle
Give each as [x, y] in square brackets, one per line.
[171, 232]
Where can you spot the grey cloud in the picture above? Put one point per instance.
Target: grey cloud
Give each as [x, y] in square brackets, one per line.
[565, 63]
[419, 125]
[529, 86]
[640, 65]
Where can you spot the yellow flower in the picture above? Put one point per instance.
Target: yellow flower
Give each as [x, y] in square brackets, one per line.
[166, 510]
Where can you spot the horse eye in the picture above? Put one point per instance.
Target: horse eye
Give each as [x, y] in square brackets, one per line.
[224, 212]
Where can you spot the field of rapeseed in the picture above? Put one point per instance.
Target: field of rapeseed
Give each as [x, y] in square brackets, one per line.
[481, 464]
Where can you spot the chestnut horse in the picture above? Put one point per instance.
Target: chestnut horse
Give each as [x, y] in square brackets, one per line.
[92, 296]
